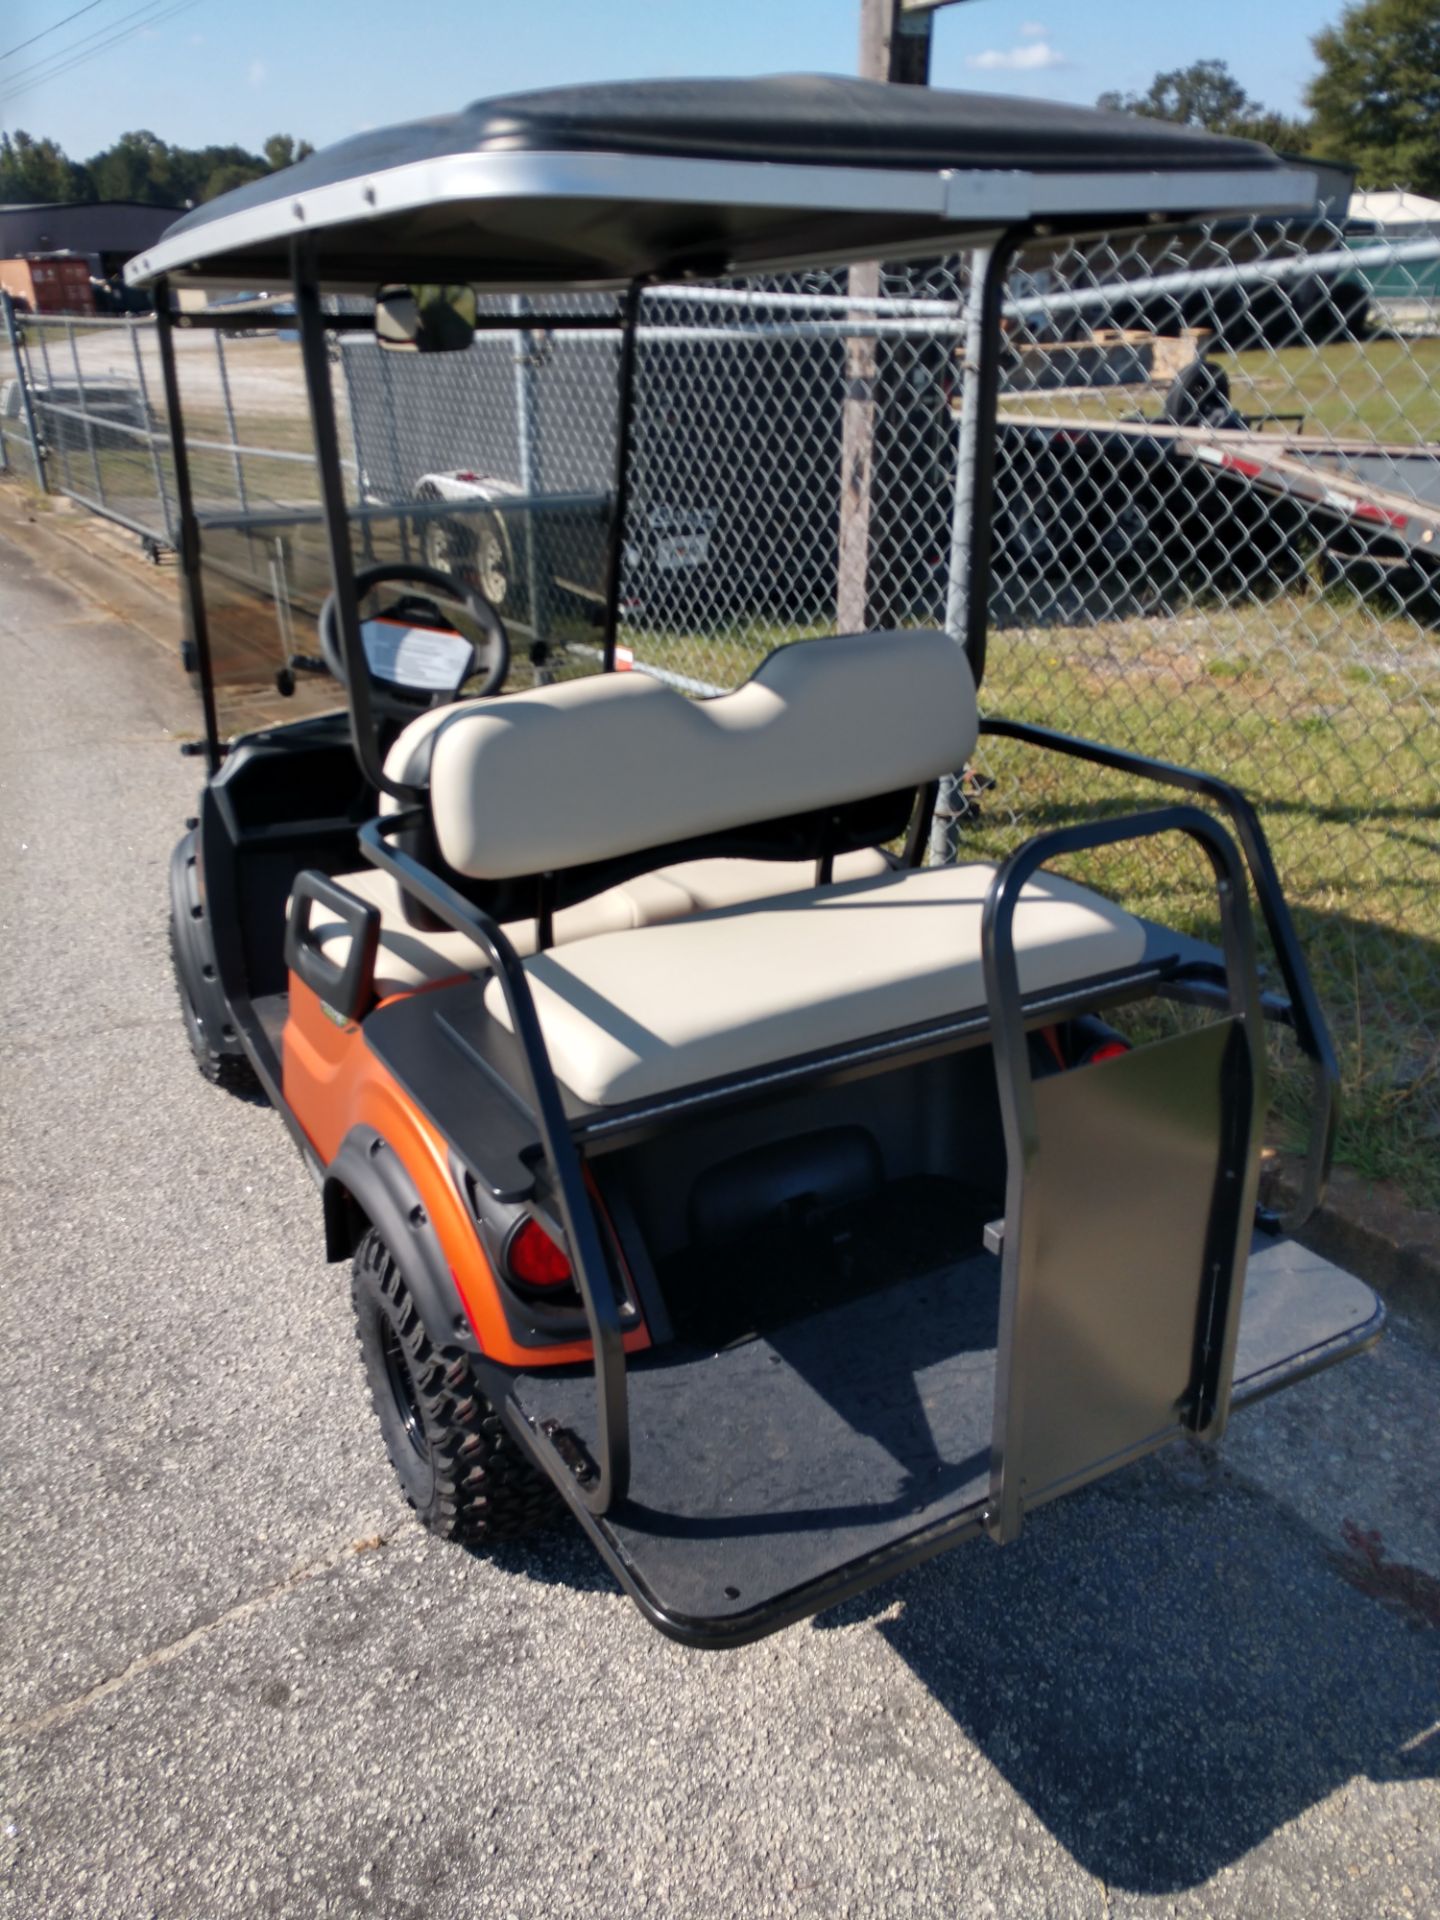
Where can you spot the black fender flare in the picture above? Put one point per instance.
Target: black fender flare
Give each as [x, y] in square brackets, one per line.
[367, 1185]
[195, 946]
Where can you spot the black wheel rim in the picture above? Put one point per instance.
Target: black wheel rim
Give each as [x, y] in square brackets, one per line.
[402, 1389]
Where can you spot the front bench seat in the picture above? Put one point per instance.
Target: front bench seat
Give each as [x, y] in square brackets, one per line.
[637, 1015]
[594, 769]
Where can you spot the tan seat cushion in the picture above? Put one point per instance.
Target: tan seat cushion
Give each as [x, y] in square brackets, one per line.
[628, 1016]
[589, 769]
[409, 958]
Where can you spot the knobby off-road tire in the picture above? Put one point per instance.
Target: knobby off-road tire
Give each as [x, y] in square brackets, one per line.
[457, 1465]
[230, 1071]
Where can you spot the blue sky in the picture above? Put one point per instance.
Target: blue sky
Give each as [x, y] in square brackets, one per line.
[197, 71]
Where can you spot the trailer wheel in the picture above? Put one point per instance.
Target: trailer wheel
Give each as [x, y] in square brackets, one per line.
[230, 1071]
[457, 1465]
[477, 554]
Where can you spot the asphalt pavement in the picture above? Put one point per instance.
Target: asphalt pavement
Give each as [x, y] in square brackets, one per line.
[236, 1680]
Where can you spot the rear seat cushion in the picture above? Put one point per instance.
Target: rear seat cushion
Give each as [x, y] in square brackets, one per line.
[408, 958]
[630, 1016]
[588, 769]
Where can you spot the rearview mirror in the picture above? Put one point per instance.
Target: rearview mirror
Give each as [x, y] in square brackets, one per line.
[425, 319]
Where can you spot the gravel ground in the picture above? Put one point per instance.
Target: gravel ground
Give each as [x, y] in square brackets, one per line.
[263, 373]
[235, 1680]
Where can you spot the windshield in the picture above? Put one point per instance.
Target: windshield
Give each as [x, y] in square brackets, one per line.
[491, 468]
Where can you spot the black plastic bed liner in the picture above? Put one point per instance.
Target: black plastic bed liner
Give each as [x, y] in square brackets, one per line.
[772, 1477]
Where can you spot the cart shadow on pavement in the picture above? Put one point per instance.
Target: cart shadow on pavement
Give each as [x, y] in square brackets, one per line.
[1169, 1672]
[557, 1556]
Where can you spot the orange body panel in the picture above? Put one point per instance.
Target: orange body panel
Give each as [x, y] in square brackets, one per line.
[333, 1082]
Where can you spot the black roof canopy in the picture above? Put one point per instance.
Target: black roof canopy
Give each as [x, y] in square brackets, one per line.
[596, 185]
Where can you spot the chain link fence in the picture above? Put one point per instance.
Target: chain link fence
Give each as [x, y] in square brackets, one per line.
[1216, 535]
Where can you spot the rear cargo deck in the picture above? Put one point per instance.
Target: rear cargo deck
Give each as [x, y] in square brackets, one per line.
[773, 1476]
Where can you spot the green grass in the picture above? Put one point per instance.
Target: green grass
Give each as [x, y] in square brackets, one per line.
[1379, 389]
[1326, 717]
[1343, 769]
[1387, 390]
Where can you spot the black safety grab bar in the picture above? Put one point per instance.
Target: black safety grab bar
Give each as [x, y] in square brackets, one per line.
[347, 989]
[1002, 971]
[1307, 1018]
[592, 1272]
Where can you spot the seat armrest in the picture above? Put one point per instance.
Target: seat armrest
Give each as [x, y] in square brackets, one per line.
[347, 989]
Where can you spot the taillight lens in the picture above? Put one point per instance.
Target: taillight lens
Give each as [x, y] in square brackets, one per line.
[1107, 1050]
[535, 1260]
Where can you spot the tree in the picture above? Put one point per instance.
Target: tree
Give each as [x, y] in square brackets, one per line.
[1208, 95]
[232, 173]
[138, 166]
[1376, 99]
[37, 171]
[283, 150]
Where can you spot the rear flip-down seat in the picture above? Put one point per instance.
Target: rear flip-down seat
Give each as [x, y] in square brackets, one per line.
[629, 1016]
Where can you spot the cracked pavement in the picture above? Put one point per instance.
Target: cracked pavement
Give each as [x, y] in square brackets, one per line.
[235, 1679]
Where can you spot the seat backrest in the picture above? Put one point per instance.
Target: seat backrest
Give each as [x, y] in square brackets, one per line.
[589, 771]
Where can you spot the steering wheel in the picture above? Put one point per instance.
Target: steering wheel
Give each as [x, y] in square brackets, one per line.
[493, 652]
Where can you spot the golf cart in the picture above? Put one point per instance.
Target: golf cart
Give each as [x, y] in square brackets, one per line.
[787, 1209]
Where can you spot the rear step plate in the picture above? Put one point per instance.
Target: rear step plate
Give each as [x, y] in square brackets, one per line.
[775, 1477]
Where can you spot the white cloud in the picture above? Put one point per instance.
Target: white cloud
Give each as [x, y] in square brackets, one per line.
[1032, 30]
[257, 73]
[1033, 57]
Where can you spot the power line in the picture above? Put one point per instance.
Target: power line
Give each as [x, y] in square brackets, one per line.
[86, 43]
[28, 79]
[89, 8]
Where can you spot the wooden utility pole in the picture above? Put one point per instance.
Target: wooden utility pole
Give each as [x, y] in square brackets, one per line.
[894, 46]
[895, 42]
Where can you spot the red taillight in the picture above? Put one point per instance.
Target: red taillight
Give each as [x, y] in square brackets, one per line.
[1367, 510]
[1107, 1050]
[534, 1259]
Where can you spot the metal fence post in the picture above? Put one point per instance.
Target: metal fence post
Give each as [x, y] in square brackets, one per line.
[155, 461]
[85, 413]
[22, 377]
[230, 426]
[367, 537]
[393, 434]
[56, 442]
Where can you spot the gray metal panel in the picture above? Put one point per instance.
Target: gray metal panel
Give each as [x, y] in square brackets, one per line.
[1112, 1288]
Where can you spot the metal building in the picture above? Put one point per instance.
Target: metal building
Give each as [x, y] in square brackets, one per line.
[107, 232]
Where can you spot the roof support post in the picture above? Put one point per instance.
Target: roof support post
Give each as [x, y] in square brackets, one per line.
[315, 360]
[528, 348]
[187, 531]
[967, 593]
[625, 401]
